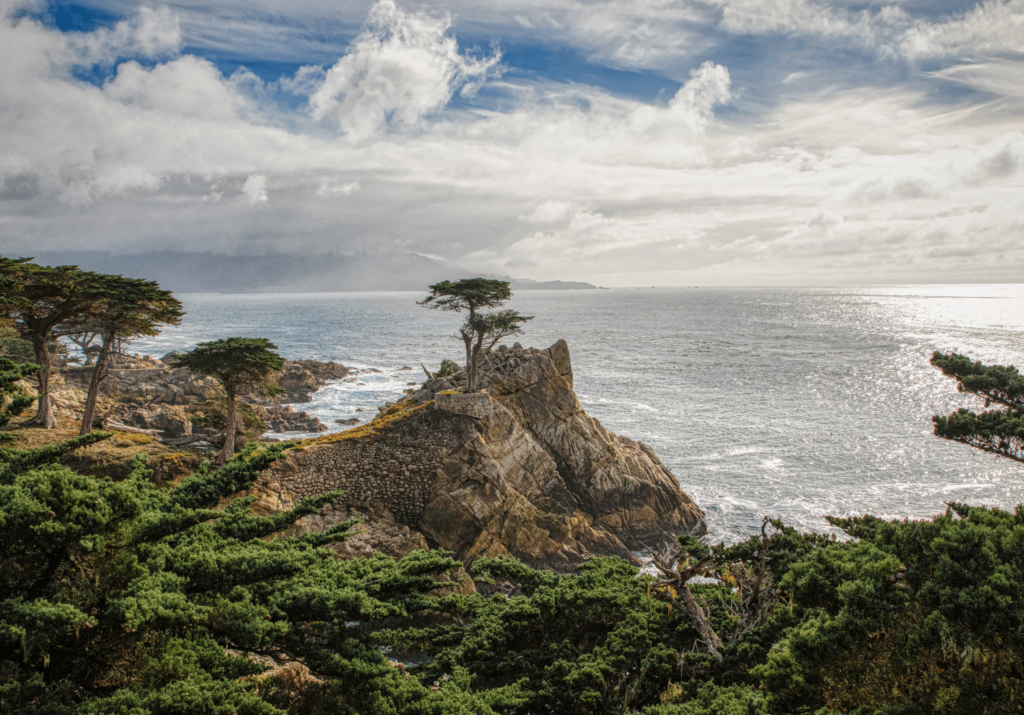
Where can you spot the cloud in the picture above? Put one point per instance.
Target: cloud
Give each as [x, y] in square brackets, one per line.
[254, 191]
[329, 189]
[563, 179]
[151, 33]
[401, 67]
[550, 211]
[991, 28]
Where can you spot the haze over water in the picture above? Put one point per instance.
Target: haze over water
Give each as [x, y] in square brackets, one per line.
[792, 402]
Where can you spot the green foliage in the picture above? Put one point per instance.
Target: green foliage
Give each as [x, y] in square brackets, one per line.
[711, 700]
[16, 349]
[1004, 385]
[120, 597]
[469, 294]
[491, 328]
[13, 399]
[910, 617]
[996, 431]
[121, 309]
[590, 643]
[212, 414]
[236, 362]
[999, 432]
[448, 368]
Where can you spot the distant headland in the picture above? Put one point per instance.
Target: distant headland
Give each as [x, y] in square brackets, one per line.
[198, 272]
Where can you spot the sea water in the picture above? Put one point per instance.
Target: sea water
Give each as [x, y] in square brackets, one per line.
[787, 402]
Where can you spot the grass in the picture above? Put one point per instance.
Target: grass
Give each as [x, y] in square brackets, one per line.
[392, 414]
[111, 456]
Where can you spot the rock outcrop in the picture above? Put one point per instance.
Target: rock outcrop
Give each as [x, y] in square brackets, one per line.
[146, 393]
[517, 469]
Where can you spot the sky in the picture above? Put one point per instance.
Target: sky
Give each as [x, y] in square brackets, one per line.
[653, 142]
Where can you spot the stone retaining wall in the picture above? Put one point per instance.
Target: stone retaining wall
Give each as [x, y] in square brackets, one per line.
[395, 473]
[477, 405]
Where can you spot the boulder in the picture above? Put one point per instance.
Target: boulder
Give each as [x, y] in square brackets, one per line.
[169, 419]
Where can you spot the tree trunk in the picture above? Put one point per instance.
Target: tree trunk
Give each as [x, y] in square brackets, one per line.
[228, 450]
[44, 414]
[467, 338]
[94, 388]
[476, 356]
[700, 620]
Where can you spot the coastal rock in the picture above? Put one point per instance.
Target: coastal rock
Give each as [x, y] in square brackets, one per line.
[285, 419]
[621, 482]
[169, 419]
[518, 469]
[150, 381]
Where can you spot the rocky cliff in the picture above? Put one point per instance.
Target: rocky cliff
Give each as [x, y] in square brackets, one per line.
[518, 468]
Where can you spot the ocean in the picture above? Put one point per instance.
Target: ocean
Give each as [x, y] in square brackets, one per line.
[789, 402]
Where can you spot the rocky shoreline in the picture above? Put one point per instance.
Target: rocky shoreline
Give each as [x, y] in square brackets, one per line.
[146, 394]
[516, 469]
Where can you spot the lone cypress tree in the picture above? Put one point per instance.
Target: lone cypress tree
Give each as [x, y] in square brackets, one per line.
[236, 363]
[472, 295]
[997, 431]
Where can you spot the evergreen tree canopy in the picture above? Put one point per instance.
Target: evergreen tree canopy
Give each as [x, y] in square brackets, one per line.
[121, 597]
[997, 431]
[39, 298]
[236, 363]
[17, 399]
[123, 308]
[470, 295]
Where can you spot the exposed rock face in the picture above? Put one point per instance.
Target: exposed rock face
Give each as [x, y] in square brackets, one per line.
[170, 419]
[519, 469]
[301, 378]
[621, 482]
[148, 385]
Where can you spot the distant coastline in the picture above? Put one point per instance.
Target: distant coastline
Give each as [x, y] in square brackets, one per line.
[196, 272]
[552, 285]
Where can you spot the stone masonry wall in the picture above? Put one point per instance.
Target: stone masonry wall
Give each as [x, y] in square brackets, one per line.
[395, 472]
[477, 405]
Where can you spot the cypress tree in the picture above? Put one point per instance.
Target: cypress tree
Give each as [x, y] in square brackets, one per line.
[236, 363]
[999, 431]
[40, 298]
[123, 308]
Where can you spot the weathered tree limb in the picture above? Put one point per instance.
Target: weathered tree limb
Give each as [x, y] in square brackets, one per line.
[118, 427]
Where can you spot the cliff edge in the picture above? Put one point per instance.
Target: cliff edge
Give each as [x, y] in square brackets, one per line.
[518, 469]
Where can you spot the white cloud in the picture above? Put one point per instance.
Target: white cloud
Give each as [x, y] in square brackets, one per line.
[254, 191]
[330, 189]
[991, 28]
[151, 33]
[550, 211]
[554, 180]
[401, 67]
